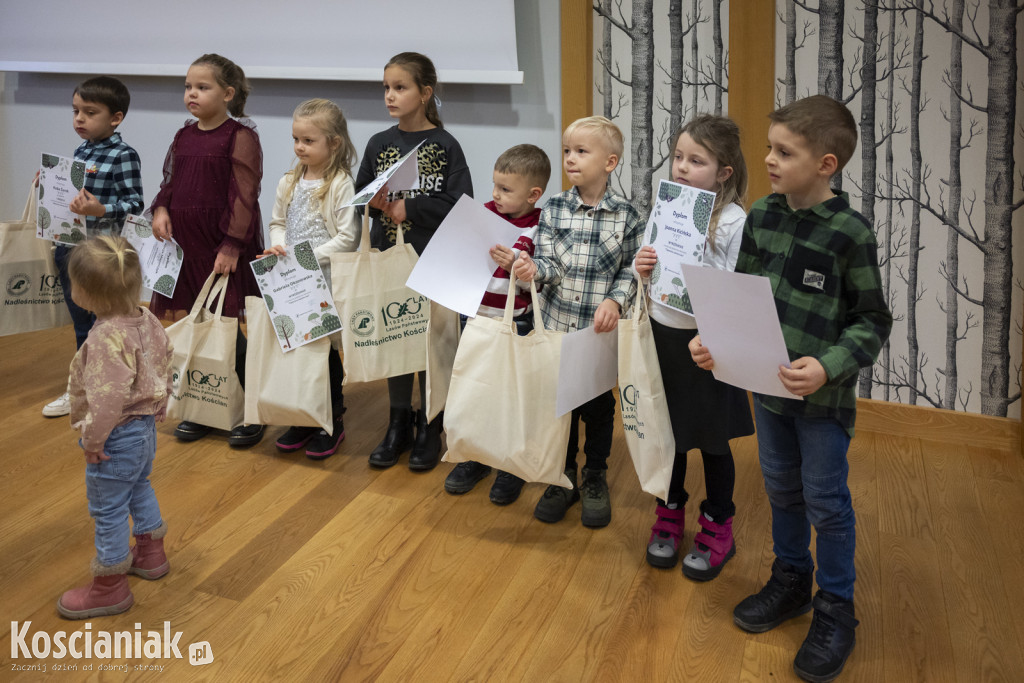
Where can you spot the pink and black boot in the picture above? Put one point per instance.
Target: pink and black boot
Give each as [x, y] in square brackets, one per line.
[663, 546]
[712, 547]
[107, 594]
[148, 558]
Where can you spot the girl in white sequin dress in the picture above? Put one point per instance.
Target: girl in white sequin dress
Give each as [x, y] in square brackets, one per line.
[305, 209]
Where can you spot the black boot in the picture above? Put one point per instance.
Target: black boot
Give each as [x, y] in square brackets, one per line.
[397, 440]
[426, 452]
[829, 640]
[786, 595]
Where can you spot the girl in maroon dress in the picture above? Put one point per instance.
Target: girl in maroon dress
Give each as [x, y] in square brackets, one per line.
[208, 202]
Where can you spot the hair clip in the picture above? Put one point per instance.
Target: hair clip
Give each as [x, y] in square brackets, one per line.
[437, 101]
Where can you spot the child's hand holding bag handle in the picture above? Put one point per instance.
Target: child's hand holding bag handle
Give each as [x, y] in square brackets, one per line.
[385, 322]
[206, 388]
[501, 402]
[34, 299]
[644, 410]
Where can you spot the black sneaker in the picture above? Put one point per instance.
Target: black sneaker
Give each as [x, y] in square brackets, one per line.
[295, 438]
[556, 501]
[190, 431]
[829, 640]
[597, 504]
[245, 435]
[506, 488]
[464, 477]
[786, 595]
[324, 445]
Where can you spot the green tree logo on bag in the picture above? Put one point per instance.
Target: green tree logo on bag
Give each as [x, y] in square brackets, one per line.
[18, 284]
[362, 323]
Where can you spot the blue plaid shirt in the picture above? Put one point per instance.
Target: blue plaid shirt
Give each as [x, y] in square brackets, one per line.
[113, 173]
[584, 256]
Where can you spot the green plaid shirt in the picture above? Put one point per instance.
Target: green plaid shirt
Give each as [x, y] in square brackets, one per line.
[585, 255]
[823, 266]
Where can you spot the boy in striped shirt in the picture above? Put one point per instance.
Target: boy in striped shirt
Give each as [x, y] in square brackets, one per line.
[520, 175]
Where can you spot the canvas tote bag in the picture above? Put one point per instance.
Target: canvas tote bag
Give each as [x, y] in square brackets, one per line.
[284, 388]
[205, 387]
[384, 322]
[32, 298]
[442, 344]
[645, 419]
[501, 402]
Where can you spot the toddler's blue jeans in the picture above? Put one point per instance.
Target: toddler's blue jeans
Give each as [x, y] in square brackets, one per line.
[120, 487]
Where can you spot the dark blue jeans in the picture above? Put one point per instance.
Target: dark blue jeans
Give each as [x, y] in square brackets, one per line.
[805, 470]
[80, 318]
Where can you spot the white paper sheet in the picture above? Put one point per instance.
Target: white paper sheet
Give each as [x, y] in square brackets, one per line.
[456, 265]
[404, 174]
[60, 180]
[160, 261]
[677, 229]
[739, 324]
[297, 296]
[587, 368]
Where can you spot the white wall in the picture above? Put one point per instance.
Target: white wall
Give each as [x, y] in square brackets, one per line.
[35, 115]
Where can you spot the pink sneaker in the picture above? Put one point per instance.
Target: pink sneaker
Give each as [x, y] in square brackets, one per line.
[663, 546]
[712, 547]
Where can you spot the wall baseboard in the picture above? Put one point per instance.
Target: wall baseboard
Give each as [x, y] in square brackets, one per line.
[933, 423]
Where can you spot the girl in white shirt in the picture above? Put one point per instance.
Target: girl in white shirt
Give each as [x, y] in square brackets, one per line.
[306, 209]
[705, 413]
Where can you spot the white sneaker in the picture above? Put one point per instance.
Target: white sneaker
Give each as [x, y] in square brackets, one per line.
[58, 407]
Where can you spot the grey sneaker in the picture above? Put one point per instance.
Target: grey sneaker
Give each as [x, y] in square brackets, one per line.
[58, 407]
[597, 504]
[556, 501]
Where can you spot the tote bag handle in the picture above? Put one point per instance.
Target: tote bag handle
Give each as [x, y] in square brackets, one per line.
[209, 291]
[510, 304]
[641, 305]
[29, 214]
[364, 240]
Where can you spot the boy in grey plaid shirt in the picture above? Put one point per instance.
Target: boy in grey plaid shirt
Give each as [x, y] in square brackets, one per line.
[821, 258]
[112, 189]
[586, 241]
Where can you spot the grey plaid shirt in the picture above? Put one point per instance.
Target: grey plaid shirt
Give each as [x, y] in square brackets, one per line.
[584, 256]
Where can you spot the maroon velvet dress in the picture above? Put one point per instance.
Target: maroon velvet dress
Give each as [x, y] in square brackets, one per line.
[211, 189]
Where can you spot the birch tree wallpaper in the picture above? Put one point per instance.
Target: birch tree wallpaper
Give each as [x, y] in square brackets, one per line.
[936, 89]
[657, 64]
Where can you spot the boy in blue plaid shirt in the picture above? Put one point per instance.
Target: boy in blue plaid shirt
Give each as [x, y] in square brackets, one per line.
[821, 258]
[586, 240]
[112, 190]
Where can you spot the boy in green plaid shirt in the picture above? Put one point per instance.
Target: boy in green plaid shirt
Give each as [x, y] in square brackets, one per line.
[821, 258]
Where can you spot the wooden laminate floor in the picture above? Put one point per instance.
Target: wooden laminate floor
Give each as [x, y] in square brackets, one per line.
[294, 570]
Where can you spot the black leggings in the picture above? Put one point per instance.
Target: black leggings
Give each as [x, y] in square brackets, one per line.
[719, 479]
